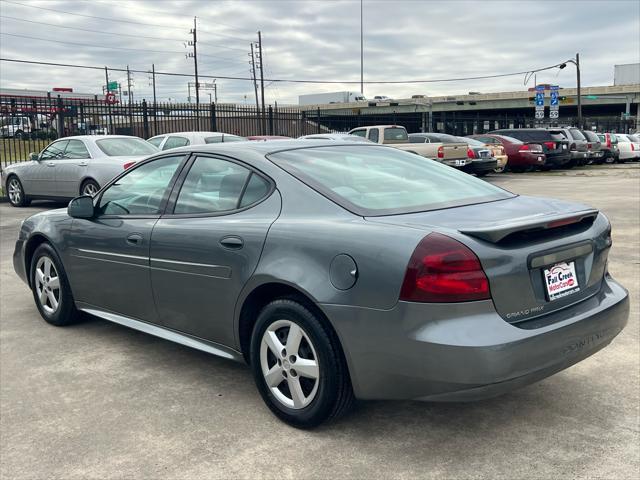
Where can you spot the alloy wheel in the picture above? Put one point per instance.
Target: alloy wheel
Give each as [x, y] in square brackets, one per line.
[90, 188]
[47, 285]
[289, 364]
[15, 191]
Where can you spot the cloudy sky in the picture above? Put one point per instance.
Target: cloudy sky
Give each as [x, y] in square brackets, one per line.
[317, 40]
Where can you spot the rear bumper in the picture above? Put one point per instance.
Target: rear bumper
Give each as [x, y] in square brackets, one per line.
[481, 165]
[558, 160]
[466, 351]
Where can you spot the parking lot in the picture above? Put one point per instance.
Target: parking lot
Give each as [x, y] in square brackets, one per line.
[98, 400]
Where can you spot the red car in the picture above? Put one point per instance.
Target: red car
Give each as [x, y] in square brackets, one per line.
[264, 138]
[523, 156]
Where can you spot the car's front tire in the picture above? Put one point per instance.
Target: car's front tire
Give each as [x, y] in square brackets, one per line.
[298, 365]
[15, 192]
[50, 287]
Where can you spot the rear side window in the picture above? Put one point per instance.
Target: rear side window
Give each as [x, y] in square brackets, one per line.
[175, 142]
[214, 185]
[395, 134]
[373, 135]
[359, 133]
[156, 141]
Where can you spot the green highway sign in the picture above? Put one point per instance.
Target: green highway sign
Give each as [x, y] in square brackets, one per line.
[112, 86]
[592, 97]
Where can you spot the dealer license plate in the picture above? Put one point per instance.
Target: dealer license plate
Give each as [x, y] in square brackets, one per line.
[561, 280]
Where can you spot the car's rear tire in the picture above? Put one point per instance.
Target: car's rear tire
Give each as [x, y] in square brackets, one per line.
[89, 187]
[298, 365]
[50, 287]
[15, 192]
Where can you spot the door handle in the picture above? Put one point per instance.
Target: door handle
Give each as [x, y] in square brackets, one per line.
[232, 242]
[51, 164]
[134, 239]
[83, 164]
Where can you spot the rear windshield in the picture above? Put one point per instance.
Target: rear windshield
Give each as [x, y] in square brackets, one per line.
[443, 138]
[577, 134]
[395, 134]
[371, 180]
[623, 138]
[528, 135]
[511, 139]
[592, 137]
[472, 142]
[122, 147]
[634, 138]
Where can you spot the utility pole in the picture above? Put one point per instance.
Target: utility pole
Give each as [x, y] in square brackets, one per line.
[194, 55]
[189, 90]
[106, 86]
[129, 85]
[361, 52]
[153, 76]
[261, 59]
[579, 96]
[255, 83]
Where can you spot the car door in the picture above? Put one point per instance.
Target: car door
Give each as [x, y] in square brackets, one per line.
[110, 265]
[207, 245]
[71, 168]
[40, 179]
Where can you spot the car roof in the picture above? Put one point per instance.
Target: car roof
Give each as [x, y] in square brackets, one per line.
[96, 137]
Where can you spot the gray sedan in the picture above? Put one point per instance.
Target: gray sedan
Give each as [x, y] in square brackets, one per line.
[336, 270]
[72, 166]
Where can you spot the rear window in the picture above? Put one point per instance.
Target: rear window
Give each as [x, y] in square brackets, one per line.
[634, 138]
[443, 138]
[592, 137]
[122, 147]
[395, 134]
[623, 139]
[577, 134]
[370, 180]
[529, 135]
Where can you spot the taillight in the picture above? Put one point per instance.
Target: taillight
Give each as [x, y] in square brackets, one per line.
[444, 270]
[471, 153]
[128, 165]
[550, 145]
[633, 148]
[440, 151]
[608, 137]
[589, 146]
[524, 148]
[573, 147]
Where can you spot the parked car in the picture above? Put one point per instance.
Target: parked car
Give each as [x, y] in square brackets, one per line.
[609, 145]
[381, 98]
[523, 157]
[497, 151]
[167, 141]
[594, 147]
[482, 160]
[577, 144]
[71, 166]
[342, 137]
[554, 146]
[396, 281]
[629, 149]
[264, 138]
[452, 154]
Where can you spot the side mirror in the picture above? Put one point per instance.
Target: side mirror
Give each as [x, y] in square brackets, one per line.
[81, 207]
[34, 157]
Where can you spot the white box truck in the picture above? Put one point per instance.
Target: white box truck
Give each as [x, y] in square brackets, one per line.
[333, 97]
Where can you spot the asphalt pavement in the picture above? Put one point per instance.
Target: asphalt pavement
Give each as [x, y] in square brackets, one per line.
[98, 400]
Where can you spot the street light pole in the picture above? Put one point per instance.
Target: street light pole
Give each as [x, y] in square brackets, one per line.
[576, 62]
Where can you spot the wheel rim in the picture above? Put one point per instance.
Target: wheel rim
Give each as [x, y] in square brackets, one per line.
[15, 191]
[47, 285]
[289, 364]
[90, 189]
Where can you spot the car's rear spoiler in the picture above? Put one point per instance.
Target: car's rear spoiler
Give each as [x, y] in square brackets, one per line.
[496, 233]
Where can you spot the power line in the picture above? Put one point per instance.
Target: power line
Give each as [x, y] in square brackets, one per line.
[284, 80]
[93, 16]
[224, 59]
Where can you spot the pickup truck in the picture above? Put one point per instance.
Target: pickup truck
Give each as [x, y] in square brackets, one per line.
[452, 154]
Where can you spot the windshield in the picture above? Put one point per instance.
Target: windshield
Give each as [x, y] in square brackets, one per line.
[371, 180]
[123, 146]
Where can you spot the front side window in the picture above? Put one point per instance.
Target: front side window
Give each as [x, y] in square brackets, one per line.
[125, 146]
[175, 142]
[76, 149]
[54, 151]
[370, 180]
[140, 191]
[373, 135]
[214, 185]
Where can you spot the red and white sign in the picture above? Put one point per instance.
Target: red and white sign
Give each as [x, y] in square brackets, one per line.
[561, 280]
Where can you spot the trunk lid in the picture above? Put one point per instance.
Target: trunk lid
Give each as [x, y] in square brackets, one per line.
[454, 151]
[518, 249]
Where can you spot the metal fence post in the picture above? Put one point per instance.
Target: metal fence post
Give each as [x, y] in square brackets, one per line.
[212, 117]
[270, 120]
[318, 120]
[145, 119]
[60, 118]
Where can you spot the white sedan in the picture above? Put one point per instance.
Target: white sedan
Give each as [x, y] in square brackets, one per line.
[72, 166]
[167, 141]
[629, 147]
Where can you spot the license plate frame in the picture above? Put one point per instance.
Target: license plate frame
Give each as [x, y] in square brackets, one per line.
[560, 280]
